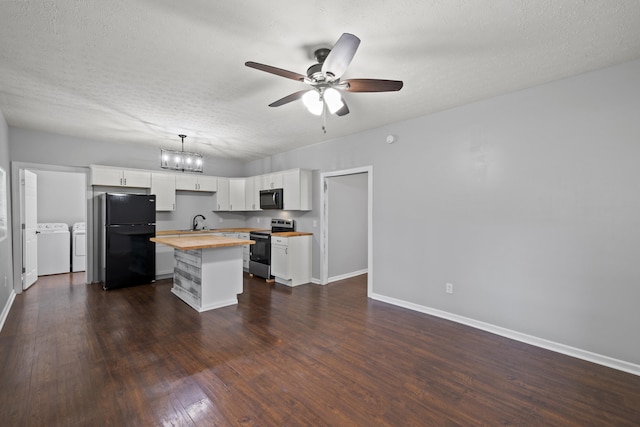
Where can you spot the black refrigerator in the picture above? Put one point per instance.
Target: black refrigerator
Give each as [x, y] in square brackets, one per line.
[129, 257]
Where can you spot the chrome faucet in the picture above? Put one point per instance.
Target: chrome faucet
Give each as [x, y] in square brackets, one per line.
[195, 221]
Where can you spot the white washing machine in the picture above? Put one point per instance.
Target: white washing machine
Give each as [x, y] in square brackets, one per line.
[53, 248]
[78, 247]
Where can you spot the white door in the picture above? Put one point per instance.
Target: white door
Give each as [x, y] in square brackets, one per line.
[30, 256]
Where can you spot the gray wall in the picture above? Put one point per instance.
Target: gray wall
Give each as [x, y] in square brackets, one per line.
[529, 203]
[50, 149]
[347, 218]
[61, 197]
[6, 258]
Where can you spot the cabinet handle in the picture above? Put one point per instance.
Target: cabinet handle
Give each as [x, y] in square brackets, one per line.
[286, 251]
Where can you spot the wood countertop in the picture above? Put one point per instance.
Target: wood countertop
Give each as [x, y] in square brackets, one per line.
[291, 234]
[207, 231]
[187, 243]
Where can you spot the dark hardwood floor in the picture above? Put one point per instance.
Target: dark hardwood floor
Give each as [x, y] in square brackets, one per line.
[74, 355]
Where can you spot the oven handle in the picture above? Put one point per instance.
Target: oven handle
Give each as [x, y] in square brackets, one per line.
[259, 236]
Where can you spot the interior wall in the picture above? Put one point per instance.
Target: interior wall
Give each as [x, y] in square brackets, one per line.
[528, 203]
[41, 147]
[61, 197]
[6, 258]
[347, 231]
[30, 146]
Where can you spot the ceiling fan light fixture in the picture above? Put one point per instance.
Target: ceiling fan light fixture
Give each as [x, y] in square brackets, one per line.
[313, 102]
[333, 99]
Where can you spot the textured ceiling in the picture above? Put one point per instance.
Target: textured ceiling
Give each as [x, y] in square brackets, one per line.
[144, 71]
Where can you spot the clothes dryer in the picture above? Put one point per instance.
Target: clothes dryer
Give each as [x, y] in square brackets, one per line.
[53, 248]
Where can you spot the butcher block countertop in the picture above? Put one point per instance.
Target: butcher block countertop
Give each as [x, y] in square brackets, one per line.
[209, 230]
[291, 234]
[187, 243]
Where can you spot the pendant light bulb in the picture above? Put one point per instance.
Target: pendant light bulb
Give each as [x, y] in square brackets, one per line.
[333, 99]
[313, 102]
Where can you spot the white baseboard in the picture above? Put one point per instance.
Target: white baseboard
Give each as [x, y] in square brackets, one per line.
[599, 359]
[6, 308]
[347, 275]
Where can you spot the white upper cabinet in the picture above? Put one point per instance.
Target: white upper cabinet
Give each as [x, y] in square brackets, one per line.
[222, 195]
[192, 182]
[297, 190]
[270, 181]
[163, 185]
[251, 194]
[120, 177]
[236, 194]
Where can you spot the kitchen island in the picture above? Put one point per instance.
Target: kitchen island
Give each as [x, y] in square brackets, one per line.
[207, 269]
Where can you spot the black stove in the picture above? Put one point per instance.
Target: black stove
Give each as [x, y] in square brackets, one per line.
[260, 255]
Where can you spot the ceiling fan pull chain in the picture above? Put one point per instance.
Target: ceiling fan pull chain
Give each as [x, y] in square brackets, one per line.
[324, 116]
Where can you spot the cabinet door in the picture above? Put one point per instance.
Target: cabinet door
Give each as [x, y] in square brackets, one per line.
[222, 196]
[186, 182]
[291, 189]
[118, 177]
[163, 185]
[251, 195]
[236, 194]
[297, 189]
[133, 178]
[280, 261]
[103, 175]
[270, 181]
[207, 183]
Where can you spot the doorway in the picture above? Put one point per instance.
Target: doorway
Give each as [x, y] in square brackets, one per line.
[346, 235]
[73, 197]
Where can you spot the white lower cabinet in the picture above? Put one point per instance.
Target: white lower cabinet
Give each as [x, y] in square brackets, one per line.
[291, 259]
[245, 251]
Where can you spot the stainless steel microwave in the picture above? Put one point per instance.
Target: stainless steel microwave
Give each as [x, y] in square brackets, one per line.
[271, 199]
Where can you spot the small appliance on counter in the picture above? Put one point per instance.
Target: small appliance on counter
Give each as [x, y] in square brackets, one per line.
[260, 252]
[128, 256]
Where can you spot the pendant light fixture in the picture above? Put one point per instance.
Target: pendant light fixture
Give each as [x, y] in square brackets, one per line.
[184, 161]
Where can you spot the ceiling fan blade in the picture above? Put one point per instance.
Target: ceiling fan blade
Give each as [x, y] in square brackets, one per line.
[276, 71]
[344, 110]
[371, 85]
[341, 55]
[289, 98]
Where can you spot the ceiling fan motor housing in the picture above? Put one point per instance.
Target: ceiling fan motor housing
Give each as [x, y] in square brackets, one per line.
[315, 72]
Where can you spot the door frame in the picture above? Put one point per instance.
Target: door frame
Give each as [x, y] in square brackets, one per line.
[30, 252]
[17, 215]
[324, 223]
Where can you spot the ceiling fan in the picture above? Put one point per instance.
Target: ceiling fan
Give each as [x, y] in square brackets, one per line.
[324, 79]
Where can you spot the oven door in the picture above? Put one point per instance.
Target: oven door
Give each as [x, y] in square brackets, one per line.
[261, 250]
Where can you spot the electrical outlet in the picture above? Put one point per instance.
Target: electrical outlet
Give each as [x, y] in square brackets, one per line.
[219, 219]
[449, 288]
[258, 220]
[315, 223]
